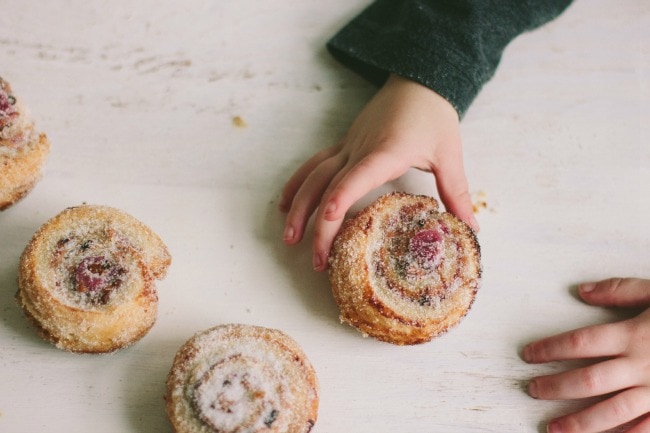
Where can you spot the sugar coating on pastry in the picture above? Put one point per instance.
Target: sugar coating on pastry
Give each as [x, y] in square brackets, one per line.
[402, 271]
[239, 378]
[22, 150]
[87, 279]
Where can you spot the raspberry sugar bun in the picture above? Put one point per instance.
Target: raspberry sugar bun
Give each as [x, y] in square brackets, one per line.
[241, 379]
[402, 271]
[86, 279]
[22, 150]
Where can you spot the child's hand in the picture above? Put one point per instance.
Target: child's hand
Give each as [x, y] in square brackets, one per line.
[625, 372]
[405, 125]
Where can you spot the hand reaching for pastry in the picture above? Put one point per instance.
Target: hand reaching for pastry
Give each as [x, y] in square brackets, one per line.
[404, 125]
[623, 370]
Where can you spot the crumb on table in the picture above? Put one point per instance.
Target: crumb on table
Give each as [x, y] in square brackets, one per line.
[479, 201]
[238, 122]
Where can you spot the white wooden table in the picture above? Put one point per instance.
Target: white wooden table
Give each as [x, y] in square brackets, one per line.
[138, 99]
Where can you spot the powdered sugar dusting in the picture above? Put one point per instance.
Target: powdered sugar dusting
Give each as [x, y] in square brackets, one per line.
[244, 379]
[243, 388]
[239, 394]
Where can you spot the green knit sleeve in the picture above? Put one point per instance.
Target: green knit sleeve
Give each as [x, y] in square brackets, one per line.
[450, 46]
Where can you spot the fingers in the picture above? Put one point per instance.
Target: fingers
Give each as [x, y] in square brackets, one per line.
[597, 379]
[590, 342]
[306, 199]
[324, 234]
[617, 292]
[344, 190]
[296, 181]
[323, 182]
[642, 426]
[615, 411]
[453, 188]
[625, 342]
[405, 125]
[371, 172]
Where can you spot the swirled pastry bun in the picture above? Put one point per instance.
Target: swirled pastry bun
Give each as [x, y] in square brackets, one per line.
[241, 379]
[403, 272]
[22, 150]
[86, 279]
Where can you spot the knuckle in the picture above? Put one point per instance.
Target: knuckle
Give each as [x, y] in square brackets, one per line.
[462, 195]
[620, 409]
[577, 341]
[636, 329]
[591, 380]
[612, 285]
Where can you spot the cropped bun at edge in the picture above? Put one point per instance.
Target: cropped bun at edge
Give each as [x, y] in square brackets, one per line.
[86, 279]
[22, 150]
[239, 378]
[403, 272]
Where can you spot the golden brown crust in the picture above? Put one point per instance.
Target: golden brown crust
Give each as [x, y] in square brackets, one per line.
[22, 151]
[86, 279]
[241, 378]
[403, 272]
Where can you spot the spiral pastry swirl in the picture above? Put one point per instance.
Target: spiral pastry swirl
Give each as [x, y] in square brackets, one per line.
[86, 279]
[403, 272]
[22, 150]
[241, 379]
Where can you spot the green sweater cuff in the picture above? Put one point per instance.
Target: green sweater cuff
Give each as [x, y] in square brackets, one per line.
[450, 46]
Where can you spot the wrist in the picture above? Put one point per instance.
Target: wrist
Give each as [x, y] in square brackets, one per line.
[411, 88]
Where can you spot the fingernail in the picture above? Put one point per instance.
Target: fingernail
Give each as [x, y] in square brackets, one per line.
[526, 354]
[330, 208]
[289, 232]
[473, 223]
[554, 427]
[587, 287]
[317, 262]
[532, 389]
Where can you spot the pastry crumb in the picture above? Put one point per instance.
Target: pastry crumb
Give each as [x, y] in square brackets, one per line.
[239, 122]
[479, 201]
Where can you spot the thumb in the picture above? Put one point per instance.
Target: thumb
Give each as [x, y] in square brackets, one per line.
[453, 189]
[617, 292]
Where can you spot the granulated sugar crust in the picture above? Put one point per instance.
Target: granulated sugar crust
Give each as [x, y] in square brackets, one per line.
[241, 378]
[23, 151]
[86, 279]
[402, 271]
